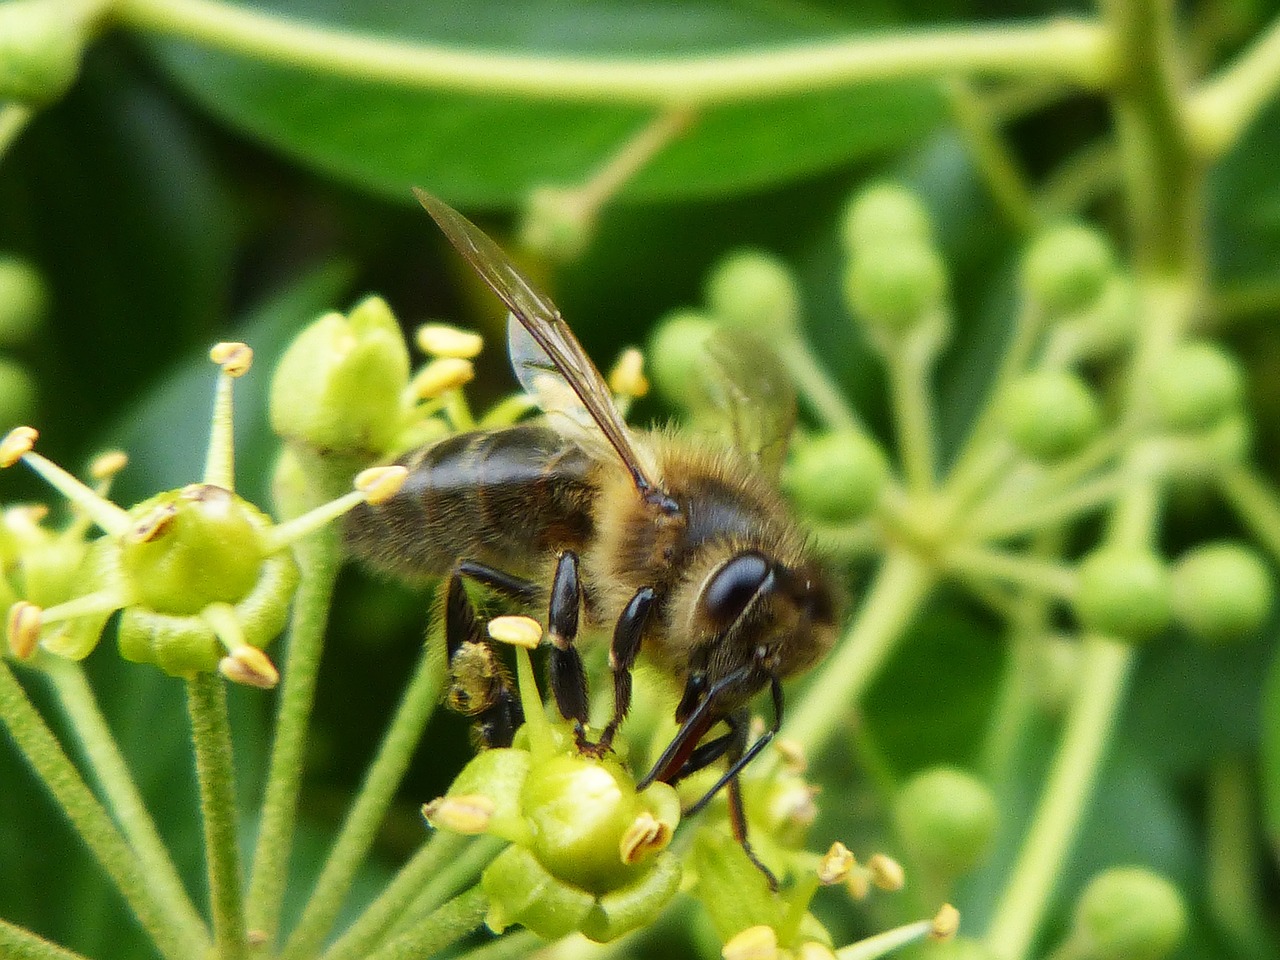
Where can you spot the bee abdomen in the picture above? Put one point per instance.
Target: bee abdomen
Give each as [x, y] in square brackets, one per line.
[505, 498]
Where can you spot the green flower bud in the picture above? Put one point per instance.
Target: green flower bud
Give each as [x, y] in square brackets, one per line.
[498, 774]
[24, 300]
[556, 224]
[884, 214]
[192, 547]
[40, 47]
[1197, 386]
[579, 810]
[1124, 593]
[629, 908]
[836, 478]
[1222, 591]
[1050, 414]
[895, 286]
[520, 890]
[17, 394]
[1128, 913]
[947, 817]
[756, 291]
[676, 356]
[1066, 268]
[339, 385]
[186, 645]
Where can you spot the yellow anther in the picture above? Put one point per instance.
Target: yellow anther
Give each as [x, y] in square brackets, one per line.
[886, 872]
[108, 464]
[23, 625]
[251, 667]
[815, 951]
[234, 358]
[627, 376]
[647, 834]
[443, 340]
[836, 864]
[519, 631]
[858, 883]
[442, 375]
[946, 923]
[379, 484]
[153, 524]
[753, 943]
[467, 813]
[17, 444]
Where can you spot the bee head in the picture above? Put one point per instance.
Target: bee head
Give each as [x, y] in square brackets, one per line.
[758, 618]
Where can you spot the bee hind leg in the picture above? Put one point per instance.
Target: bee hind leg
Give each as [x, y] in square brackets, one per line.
[568, 675]
[480, 686]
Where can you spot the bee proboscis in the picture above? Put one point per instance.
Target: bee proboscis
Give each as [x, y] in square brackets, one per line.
[687, 550]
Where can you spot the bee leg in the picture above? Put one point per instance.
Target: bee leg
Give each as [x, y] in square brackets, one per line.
[738, 823]
[479, 685]
[622, 657]
[514, 588]
[568, 676]
[739, 758]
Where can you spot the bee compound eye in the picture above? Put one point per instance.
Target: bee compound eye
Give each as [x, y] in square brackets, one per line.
[733, 586]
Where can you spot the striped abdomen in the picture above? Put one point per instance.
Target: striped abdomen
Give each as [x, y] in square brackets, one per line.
[505, 498]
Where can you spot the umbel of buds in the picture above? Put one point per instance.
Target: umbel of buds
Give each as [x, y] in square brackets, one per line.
[587, 850]
[201, 577]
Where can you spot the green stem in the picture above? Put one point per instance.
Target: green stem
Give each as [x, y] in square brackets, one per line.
[1232, 869]
[510, 946]
[1084, 177]
[1005, 179]
[124, 800]
[1000, 519]
[318, 557]
[443, 928]
[19, 944]
[886, 942]
[436, 860]
[1043, 576]
[891, 605]
[1103, 676]
[909, 369]
[211, 735]
[459, 874]
[90, 819]
[1223, 108]
[819, 391]
[1070, 49]
[1164, 178]
[1256, 501]
[370, 806]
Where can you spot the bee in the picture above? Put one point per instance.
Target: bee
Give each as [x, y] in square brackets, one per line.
[688, 551]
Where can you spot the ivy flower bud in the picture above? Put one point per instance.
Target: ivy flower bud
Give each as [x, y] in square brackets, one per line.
[24, 300]
[677, 353]
[1124, 593]
[1127, 913]
[881, 214]
[339, 385]
[1222, 591]
[1197, 386]
[755, 291]
[1066, 268]
[947, 817]
[40, 48]
[1050, 414]
[892, 288]
[836, 477]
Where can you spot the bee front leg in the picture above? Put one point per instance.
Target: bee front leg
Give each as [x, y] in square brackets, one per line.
[568, 676]
[622, 657]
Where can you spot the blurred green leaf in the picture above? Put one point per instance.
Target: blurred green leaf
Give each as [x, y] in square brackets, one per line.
[1271, 755]
[488, 151]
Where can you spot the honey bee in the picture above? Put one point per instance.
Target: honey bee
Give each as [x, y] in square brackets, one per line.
[687, 550]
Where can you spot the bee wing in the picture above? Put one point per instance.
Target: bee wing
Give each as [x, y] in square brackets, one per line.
[753, 397]
[541, 319]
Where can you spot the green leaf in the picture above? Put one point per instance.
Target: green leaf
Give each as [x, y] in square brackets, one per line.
[1271, 754]
[481, 150]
